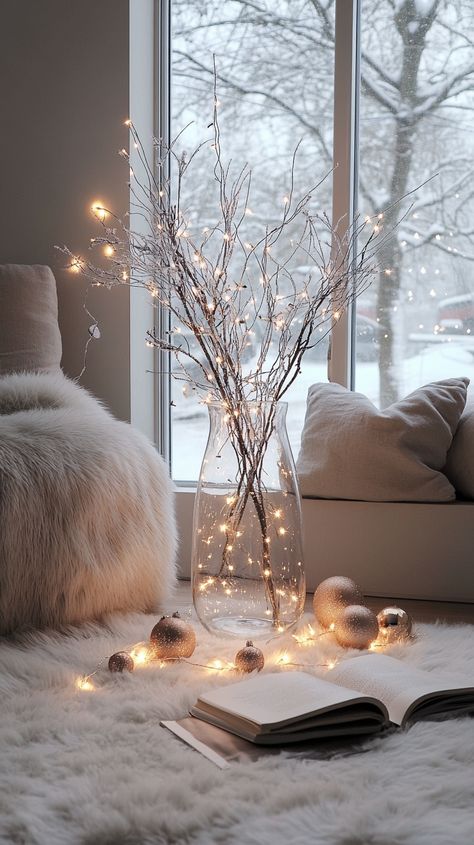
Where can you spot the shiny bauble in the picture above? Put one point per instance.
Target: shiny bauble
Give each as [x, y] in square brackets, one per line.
[356, 627]
[121, 662]
[332, 596]
[172, 637]
[394, 625]
[249, 658]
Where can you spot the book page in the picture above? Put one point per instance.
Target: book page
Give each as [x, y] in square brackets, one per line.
[397, 685]
[277, 698]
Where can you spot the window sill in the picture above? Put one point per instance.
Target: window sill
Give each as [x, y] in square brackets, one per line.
[418, 551]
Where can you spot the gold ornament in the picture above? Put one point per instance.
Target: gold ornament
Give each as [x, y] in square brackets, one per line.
[356, 627]
[121, 661]
[172, 637]
[395, 624]
[249, 658]
[332, 596]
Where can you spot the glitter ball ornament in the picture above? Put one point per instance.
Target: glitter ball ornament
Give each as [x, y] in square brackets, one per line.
[249, 658]
[120, 662]
[356, 627]
[172, 637]
[394, 624]
[332, 596]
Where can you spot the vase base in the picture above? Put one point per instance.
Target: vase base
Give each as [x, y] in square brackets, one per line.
[238, 626]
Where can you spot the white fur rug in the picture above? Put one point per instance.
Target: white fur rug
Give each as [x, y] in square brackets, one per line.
[96, 768]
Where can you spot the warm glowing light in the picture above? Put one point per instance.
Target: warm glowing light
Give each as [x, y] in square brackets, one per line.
[332, 626]
[277, 513]
[75, 265]
[84, 684]
[223, 528]
[217, 664]
[109, 251]
[140, 655]
[331, 664]
[306, 636]
[128, 122]
[282, 531]
[267, 573]
[98, 210]
[284, 659]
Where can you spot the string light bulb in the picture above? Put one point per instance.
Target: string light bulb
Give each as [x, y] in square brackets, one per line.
[98, 210]
[84, 683]
[75, 265]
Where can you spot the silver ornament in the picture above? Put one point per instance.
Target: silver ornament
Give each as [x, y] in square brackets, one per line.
[356, 627]
[395, 624]
[332, 596]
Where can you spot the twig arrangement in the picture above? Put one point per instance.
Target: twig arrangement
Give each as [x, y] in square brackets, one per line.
[278, 294]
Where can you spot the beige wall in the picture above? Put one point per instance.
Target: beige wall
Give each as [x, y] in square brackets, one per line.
[64, 68]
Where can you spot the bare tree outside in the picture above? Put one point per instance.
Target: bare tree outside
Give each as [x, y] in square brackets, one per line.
[275, 66]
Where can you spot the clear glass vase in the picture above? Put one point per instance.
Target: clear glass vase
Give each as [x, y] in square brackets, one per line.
[247, 563]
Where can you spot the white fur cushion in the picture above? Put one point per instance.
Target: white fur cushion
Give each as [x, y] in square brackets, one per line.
[351, 450]
[86, 508]
[460, 464]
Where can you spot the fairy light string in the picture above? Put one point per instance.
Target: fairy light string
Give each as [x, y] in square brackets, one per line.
[144, 654]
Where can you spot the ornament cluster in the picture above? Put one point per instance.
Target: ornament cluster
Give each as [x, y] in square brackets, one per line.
[339, 606]
[172, 638]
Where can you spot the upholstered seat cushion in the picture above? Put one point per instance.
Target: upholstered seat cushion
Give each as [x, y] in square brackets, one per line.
[460, 463]
[29, 336]
[86, 509]
[351, 450]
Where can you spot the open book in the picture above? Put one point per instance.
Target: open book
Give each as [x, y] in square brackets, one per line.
[364, 695]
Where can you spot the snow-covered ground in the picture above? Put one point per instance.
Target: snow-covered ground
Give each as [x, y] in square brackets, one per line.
[190, 420]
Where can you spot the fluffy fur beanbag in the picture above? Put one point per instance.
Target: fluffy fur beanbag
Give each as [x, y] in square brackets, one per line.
[86, 508]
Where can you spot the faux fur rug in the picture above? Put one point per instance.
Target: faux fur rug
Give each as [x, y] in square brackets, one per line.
[96, 768]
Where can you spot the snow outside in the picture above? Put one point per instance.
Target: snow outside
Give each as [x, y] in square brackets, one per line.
[275, 66]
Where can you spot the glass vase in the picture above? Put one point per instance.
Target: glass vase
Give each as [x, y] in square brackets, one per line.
[247, 562]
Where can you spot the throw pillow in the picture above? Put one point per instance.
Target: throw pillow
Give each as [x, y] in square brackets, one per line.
[460, 464]
[351, 450]
[30, 338]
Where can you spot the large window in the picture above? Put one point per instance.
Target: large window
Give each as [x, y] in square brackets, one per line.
[275, 63]
[416, 124]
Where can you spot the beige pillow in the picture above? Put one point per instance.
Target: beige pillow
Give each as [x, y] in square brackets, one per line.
[29, 331]
[460, 463]
[351, 450]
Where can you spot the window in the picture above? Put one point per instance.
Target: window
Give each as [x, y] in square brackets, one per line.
[275, 62]
[416, 124]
